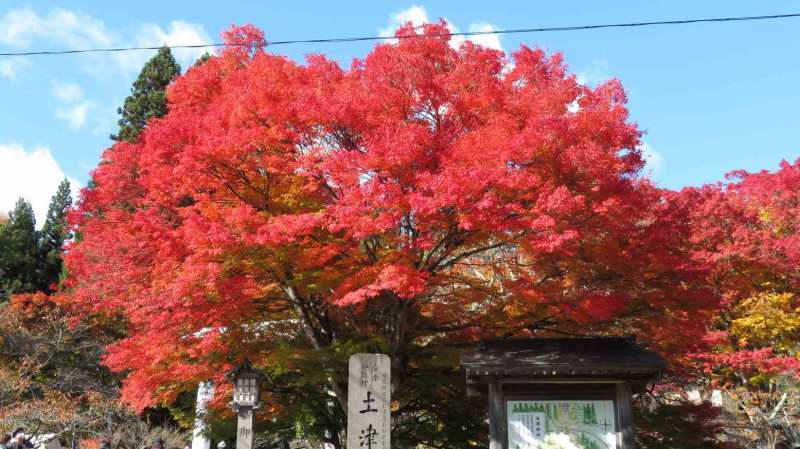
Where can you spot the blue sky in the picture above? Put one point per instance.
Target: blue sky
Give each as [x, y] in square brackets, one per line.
[710, 97]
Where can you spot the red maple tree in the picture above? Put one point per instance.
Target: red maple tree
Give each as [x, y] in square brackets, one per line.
[423, 197]
[745, 231]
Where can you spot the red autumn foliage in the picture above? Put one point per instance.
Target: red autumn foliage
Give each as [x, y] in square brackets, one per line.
[748, 228]
[746, 232]
[459, 199]
[32, 305]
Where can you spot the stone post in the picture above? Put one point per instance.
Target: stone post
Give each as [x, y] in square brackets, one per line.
[244, 428]
[368, 402]
[205, 391]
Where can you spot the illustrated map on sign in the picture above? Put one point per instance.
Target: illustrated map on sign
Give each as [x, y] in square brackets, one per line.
[561, 425]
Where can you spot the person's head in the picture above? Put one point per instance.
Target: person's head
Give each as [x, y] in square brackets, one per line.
[5, 438]
[20, 437]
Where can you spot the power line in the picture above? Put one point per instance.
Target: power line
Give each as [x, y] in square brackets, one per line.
[412, 36]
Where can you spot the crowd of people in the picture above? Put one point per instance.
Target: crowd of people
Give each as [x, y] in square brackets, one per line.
[15, 440]
[19, 440]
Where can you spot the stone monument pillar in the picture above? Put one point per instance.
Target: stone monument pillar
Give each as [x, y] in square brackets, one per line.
[205, 391]
[368, 402]
[244, 428]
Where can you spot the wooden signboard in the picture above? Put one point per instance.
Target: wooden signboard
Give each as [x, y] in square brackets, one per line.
[560, 392]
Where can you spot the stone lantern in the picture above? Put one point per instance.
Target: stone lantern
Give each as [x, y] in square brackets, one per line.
[246, 394]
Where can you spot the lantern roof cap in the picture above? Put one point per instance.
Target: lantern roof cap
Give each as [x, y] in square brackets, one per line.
[244, 369]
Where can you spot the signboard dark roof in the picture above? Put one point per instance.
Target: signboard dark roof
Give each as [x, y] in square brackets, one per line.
[591, 357]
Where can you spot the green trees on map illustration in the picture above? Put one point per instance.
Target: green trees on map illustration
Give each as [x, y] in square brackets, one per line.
[586, 443]
[566, 417]
[528, 408]
[554, 411]
[589, 414]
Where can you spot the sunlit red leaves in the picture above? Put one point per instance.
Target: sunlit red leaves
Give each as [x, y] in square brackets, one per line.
[32, 305]
[748, 365]
[397, 277]
[493, 199]
[746, 233]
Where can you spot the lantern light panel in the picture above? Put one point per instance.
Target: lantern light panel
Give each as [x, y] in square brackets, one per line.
[246, 391]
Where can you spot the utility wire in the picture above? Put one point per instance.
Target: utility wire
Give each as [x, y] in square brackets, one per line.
[412, 36]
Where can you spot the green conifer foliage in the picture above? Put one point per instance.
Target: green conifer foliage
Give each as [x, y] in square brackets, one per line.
[148, 96]
[53, 234]
[18, 251]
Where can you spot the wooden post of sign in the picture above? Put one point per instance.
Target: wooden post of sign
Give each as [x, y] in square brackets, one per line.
[368, 402]
[626, 433]
[496, 415]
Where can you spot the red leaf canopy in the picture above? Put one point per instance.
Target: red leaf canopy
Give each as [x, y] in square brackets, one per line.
[425, 195]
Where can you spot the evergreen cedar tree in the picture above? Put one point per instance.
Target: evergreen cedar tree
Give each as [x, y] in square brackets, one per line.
[148, 97]
[30, 259]
[53, 234]
[422, 199]
[18, 255]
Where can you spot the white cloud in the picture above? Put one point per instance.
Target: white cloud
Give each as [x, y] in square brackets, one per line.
[418, 16]
[455, 41]
[33, 175]
[595, 74]
[10, 67]
[177, 33]
[73, 108]
[75, 115]
[22, 26]
[653, 160]
[415, 14]
[70, 92]
[487, 40]
[65, 29]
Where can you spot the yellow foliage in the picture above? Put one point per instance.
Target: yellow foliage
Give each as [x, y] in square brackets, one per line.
[764, 216]
[773, 223]
[771, 319]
